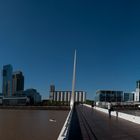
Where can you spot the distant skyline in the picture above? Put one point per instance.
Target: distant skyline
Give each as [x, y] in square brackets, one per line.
[39, 37]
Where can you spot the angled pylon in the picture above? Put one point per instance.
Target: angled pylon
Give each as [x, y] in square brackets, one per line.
[73, 82]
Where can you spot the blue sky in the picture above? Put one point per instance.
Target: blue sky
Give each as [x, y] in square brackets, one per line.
[39, 37]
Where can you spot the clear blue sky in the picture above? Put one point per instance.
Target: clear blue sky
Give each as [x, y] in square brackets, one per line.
[39, 37]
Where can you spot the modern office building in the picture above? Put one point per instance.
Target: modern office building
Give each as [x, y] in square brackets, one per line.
[27, 97]
[137, 93]
[128, 97]
[109, 96]
[7, 80]
[17, 83]
[1, 98]
[33, 95]
[13, 89]
[15, 101]
[65, 96]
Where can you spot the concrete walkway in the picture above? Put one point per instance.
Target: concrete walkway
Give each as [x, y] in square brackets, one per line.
[95, 125]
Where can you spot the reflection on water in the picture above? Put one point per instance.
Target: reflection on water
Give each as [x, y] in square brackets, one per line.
[31, 124]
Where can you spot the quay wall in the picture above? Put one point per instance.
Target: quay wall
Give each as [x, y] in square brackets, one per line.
[36, 107]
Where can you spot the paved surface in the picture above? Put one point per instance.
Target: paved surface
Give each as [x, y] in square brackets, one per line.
[131, 112]
[75, 131]
[95, 125]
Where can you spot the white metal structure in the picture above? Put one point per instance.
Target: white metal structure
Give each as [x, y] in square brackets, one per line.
[137, 93]
[65, 130]
[73, 82]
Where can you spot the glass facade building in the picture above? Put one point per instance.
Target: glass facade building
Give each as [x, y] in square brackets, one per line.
[7, 80]
[33, 95]
[128, 97]
[109, 96]
[17, 83]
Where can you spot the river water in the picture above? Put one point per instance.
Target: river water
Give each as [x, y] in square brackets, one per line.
[31, 124]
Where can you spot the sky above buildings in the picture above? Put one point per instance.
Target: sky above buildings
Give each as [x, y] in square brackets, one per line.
[39, 37]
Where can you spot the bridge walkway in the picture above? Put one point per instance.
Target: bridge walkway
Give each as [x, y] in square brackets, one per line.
[95, 125]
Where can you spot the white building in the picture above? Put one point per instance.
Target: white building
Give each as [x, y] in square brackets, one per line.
[137, 93]
[65, 96]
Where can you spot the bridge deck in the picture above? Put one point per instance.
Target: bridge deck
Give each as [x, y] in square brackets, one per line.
[95, 125]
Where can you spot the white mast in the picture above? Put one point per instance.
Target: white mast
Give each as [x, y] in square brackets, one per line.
[73, 83]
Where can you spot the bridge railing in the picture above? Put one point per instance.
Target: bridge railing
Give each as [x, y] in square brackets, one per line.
[65, 130]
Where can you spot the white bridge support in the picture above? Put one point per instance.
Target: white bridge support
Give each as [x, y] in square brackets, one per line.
[65, 130]
[73, 83]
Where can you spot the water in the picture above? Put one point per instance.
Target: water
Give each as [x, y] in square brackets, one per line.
[31, 124]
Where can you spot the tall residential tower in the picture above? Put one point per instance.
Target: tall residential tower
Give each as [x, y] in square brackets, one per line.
[7, 80]
[17, 82]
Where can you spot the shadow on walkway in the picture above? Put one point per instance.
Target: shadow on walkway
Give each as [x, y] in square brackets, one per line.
[75, 131]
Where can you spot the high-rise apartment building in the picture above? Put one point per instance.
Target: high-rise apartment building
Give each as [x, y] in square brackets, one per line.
[17, 82]
[7, 80]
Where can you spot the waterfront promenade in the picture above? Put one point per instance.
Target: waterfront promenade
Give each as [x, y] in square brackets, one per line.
[95, 125]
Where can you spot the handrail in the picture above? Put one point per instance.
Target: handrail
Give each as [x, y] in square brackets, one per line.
[65, 130]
